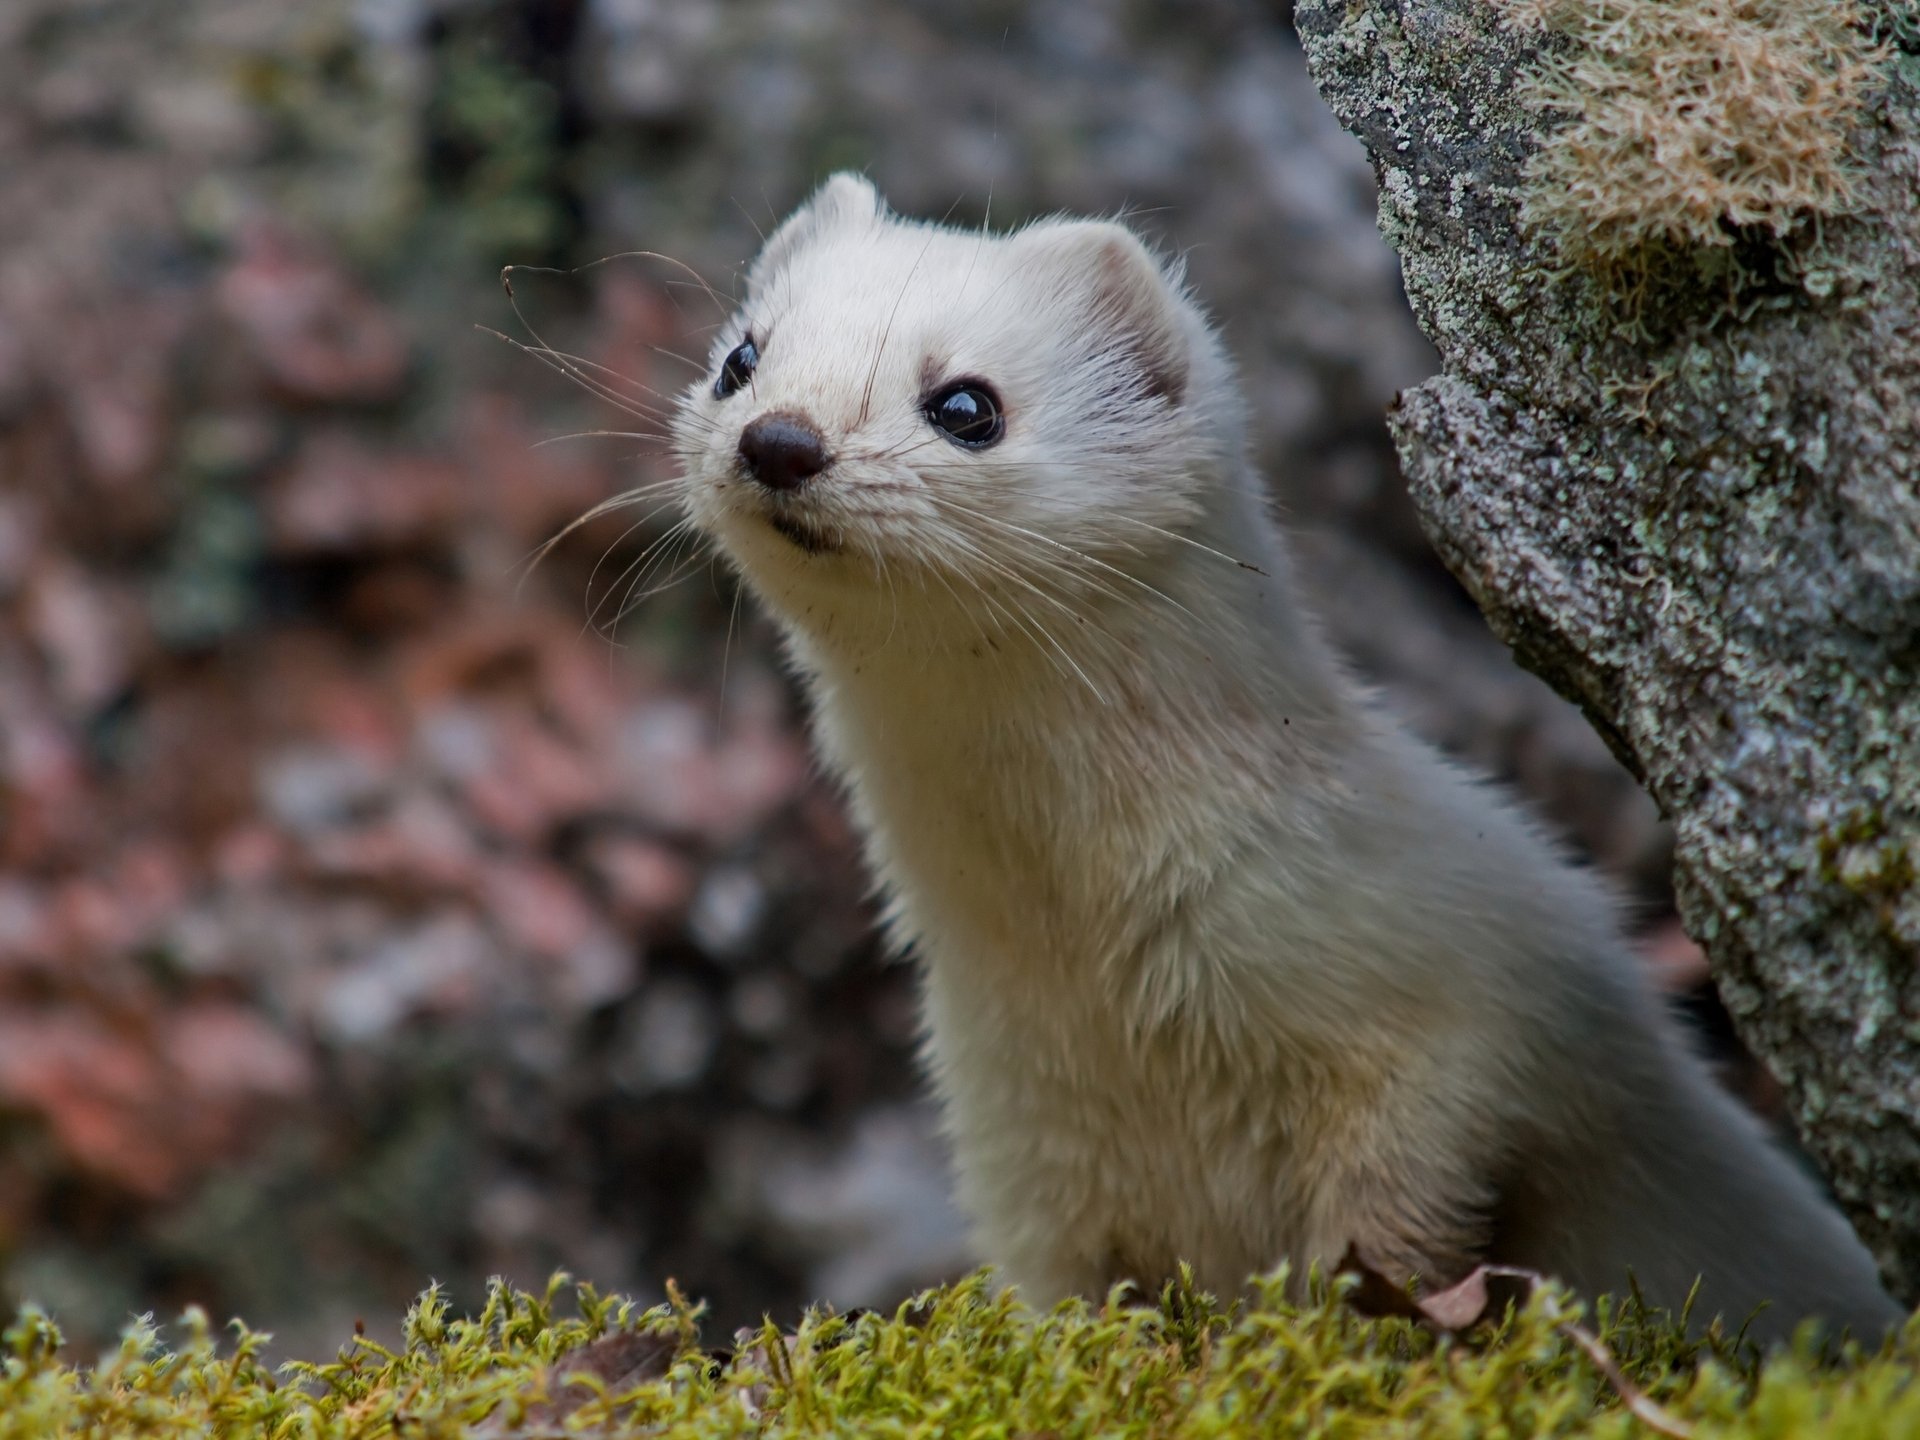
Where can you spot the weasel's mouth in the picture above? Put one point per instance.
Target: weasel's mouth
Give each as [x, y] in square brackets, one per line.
[808, 537]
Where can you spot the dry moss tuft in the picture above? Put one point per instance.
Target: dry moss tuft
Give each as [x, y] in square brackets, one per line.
[1690, 123]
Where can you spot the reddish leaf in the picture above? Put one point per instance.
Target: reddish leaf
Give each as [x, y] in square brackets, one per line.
[344, 497]
[648, 884]
[317, 335]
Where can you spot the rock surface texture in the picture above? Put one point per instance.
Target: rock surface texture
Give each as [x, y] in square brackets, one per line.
[1694, 508]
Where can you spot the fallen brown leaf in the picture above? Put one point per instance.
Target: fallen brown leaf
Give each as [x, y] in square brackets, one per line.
[609, 1365]
[1480, 1297]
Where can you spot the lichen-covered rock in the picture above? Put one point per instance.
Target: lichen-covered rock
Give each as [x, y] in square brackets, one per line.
[1692, 503]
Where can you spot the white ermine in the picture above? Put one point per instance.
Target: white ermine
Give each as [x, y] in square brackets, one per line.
[1220, 964]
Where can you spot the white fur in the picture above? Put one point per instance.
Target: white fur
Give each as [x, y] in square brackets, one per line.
[1220, 965]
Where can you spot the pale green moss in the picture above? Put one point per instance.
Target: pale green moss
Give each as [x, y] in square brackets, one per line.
[956, 1362]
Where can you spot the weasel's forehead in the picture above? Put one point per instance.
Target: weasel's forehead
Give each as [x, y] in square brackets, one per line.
[888, 277]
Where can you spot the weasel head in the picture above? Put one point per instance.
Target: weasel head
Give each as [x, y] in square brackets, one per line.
[911, 428]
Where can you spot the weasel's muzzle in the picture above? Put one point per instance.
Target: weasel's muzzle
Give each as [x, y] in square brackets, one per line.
[782, 450]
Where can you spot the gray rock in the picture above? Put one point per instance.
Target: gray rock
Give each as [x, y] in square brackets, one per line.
[1701, 523]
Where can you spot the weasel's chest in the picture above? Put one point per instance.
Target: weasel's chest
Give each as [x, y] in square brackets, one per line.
[991, 866]
[1088, 1153]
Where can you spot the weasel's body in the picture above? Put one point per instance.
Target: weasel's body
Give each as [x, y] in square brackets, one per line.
[1220, 965]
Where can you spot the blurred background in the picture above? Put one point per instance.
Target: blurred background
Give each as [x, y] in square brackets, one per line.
[373, 910]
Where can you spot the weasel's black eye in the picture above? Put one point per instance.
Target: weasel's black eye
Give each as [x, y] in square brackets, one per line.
[737, 368]
[967, 413]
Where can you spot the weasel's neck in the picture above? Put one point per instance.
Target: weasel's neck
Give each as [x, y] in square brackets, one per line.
[1058, 777]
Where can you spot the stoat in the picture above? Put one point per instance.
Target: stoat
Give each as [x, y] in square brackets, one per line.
[1220, 964]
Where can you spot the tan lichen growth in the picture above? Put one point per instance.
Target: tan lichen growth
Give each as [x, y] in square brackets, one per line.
[1683, 123]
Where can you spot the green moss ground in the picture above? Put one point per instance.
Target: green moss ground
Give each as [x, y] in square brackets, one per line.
[959, 1362]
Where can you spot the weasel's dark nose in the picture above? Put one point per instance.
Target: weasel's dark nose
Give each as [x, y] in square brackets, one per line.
[782, 450]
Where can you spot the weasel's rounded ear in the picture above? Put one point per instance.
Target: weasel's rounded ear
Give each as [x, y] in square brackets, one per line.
[845, 199]
[845, 195]
[1124, 291]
